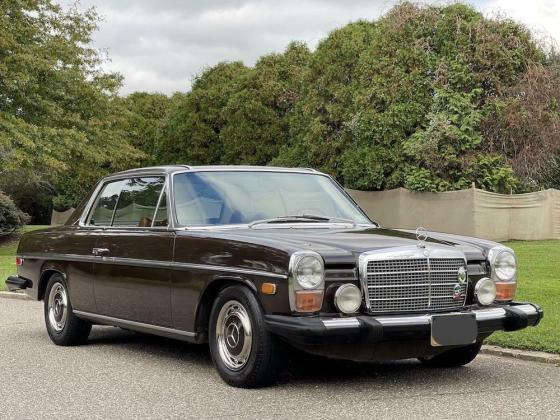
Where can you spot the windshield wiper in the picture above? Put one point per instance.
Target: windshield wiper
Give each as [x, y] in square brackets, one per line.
[300, 218]
[327, 219]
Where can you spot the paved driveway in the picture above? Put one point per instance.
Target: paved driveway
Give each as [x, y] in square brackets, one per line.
[122, 375]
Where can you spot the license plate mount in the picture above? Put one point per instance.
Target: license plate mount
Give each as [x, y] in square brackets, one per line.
[453, 329]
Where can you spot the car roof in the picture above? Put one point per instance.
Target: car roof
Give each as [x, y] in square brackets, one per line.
[169, 169]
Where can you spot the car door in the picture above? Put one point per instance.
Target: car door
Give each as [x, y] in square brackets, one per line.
[133, 253]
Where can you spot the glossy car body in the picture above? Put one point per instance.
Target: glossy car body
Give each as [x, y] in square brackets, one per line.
[164, 279]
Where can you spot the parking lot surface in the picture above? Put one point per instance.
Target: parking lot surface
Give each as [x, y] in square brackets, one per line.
[121, 374]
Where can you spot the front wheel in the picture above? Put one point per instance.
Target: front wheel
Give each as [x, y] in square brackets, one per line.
[64, 328]
[454, 357]
[243, 351]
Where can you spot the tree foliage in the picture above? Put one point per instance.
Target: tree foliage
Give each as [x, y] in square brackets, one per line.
[59, 126]
[418, 98]
[11, 217]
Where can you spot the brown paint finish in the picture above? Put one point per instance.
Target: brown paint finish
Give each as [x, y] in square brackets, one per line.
[74, 241]
[168, 277]
[132, 292]
[188, 285]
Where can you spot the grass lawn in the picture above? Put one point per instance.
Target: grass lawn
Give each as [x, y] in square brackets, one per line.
[539, 282]
[7, 254]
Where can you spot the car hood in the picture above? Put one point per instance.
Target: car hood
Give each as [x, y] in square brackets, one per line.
[343, 245]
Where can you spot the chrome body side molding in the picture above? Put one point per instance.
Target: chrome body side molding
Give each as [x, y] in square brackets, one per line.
[150, 263]
[138, 326]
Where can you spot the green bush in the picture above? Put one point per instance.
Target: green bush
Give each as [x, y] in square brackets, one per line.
[432, 98]
[11, 218]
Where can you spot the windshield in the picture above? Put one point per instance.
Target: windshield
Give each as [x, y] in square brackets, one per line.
[242, 197]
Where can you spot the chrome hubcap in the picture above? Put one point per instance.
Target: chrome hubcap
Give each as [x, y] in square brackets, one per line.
[234, 335]
[57, 307]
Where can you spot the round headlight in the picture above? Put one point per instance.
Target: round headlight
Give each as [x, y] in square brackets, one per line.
[348, 298]
[485, 291]
[309, 272]
[505, 266]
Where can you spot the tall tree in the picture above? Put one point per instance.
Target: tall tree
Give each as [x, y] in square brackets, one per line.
[59, 127]
[143, 114]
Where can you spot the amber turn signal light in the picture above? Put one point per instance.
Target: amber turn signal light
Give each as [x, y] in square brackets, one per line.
[505, 291]
[309, 300]
[268, 289]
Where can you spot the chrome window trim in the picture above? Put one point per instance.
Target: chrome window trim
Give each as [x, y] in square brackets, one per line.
[169, 185]
[120, 177]
[174, 265]
[279, 170]
[428, 252]
[159, 204]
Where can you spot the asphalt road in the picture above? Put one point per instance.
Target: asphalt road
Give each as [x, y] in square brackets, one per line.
[126, 375]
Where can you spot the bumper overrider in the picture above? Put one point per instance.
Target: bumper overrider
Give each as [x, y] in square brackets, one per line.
[369, 329]
[17, 283]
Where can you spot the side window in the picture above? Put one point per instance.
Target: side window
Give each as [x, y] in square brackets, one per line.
[130, 202]
[102, 213]
[138, 201]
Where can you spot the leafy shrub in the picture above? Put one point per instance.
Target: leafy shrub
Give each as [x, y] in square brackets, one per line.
[432, 98]
[11, 218]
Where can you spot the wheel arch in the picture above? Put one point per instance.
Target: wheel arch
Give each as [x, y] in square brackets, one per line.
[209, 295]
[47, 271]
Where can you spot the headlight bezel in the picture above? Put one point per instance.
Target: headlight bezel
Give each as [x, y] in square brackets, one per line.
[298, 288]
[309, 259]
[494, 256]
[506, 285]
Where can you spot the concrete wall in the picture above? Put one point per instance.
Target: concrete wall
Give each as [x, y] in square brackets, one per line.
[60, 217]
[472, 212]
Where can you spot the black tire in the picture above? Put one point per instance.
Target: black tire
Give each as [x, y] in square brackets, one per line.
[71, 330]
[259, 368]
[455, 357]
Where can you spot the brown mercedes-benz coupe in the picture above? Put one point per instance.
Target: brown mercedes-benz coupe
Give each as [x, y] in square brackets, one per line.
[241, 257]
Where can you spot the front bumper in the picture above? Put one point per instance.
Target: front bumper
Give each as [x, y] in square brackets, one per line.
[375, 329]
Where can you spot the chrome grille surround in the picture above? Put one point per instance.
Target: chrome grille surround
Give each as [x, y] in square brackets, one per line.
[412, 278]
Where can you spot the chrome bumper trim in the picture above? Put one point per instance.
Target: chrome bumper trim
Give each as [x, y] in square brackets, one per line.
[341, 322]
[412, 320]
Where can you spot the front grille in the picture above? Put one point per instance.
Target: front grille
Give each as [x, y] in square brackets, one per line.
[414, 284]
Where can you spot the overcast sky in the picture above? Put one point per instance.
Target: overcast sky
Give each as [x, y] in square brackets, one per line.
[158, 45]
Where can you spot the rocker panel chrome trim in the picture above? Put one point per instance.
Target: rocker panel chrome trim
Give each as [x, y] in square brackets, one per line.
[134, 325]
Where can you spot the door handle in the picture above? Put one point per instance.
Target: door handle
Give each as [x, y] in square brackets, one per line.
[100, 251]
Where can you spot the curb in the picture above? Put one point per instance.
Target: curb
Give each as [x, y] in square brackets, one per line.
[532, 356]
[14, 295]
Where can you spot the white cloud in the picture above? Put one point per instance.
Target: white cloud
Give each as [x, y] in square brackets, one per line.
[160, 45]
[540, 16]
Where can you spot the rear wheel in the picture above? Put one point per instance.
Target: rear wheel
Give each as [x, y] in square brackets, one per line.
[454, 357]
[64, 328]
[243, 351]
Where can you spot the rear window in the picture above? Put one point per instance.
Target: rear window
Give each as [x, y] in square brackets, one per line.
[131, 202]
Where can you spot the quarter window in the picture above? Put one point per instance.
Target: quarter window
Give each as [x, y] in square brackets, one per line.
[131, 203]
